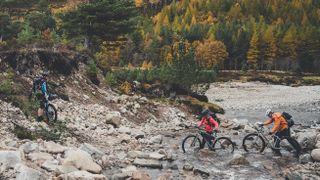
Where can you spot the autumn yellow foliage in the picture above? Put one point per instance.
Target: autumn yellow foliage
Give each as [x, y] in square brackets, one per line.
[125, 87]
[210, 53]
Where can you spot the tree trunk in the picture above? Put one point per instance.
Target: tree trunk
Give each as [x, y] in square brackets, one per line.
[86, 42]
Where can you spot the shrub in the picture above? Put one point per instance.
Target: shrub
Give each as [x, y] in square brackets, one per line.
[53, 134]
[126, 87]
[111, 79]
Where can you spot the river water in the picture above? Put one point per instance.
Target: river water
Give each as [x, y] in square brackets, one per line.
[250, 100]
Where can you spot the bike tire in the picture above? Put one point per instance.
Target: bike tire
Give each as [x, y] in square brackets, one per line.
[194, 139]
[50, 119]
[223, 143]
[246, 139]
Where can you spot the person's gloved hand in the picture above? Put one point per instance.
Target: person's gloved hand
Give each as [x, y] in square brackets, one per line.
[270, 133]
[260, 124]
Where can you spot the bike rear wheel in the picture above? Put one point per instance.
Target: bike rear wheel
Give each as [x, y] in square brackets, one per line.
[253, 143]
[51, 114]
[223, 146]
[191, 144]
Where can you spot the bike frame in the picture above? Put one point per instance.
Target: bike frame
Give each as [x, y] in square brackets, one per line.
[269, 141]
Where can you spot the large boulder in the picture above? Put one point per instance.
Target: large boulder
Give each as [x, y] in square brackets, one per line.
[50, 165]
[81, 160]
[81, 175]
[93, 151]
[307, 140]
[303, 159]
[9, 159]
[315, 154]
[26, 173]
[238, 159]
[40, 157]
[54, 148]
[29, 147]
[65, 169]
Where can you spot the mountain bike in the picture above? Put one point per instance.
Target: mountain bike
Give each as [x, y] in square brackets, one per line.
[258, 141]
[192, 143]
[50, 110]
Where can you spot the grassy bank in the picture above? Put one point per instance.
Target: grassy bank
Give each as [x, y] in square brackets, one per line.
[283, 78]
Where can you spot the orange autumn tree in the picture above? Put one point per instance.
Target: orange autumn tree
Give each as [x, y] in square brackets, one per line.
[210, 53]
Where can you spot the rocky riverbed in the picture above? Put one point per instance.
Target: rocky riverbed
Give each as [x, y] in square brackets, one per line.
[113, 136]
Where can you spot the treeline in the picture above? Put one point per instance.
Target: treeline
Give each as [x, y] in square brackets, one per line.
[224, 34]
[258, 34]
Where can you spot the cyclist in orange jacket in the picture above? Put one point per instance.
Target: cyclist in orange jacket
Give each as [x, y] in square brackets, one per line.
[281, 131]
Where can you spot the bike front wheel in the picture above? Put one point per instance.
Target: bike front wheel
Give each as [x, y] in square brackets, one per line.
[253, 143]
[191, 144]
[51, 114]
[223, 146]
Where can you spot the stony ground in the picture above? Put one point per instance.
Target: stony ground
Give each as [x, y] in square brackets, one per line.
[113, 136]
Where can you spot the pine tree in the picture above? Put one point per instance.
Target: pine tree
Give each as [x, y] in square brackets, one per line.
[290, 45]
[253, 52]
[104, 19]
[270, 51]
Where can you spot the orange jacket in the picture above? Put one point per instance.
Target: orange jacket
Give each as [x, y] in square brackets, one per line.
[280, 123]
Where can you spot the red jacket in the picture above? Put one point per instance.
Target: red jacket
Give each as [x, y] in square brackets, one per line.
[209, 123]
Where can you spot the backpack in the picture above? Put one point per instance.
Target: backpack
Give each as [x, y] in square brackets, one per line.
[288, 118]
[37, 83]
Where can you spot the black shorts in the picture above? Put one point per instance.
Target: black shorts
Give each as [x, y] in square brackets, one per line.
[42, 100]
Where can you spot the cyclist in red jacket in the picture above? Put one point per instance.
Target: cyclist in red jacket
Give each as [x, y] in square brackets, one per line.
[210, 125]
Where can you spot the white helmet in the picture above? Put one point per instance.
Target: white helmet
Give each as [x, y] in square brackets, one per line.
[269, 112]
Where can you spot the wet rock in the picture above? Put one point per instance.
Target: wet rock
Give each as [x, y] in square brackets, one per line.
[315, 154]
[206, 153]
[141, 175]
[200, 171]
[129, 169]
[50, 165]
[150, 163]
[40, 157]
[82, 175]
[249, 129]
[238, 159]
[156, 139]
[54, 148]
[81, 160]
[94, 152]
[9, 159]
[307, 140]
[187, 167]
[29, 147]
[172, 166]
[120, 176]
[26, 173]
[294, 176]
[64, 169]
[303, 159]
